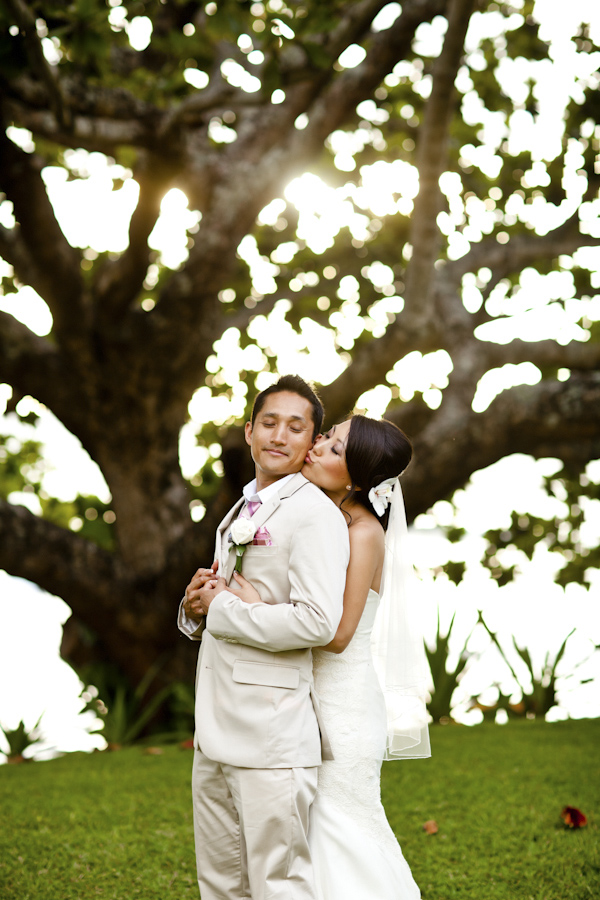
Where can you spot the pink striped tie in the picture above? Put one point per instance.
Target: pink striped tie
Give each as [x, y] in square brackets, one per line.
[251, 508]
[262, 537]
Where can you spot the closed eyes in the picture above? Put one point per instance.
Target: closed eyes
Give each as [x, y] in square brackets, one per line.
[273, 424]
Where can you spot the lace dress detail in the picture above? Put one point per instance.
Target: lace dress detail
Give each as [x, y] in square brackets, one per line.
[355, 852]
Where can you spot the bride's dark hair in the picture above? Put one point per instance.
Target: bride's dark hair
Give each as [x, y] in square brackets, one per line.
[375, 450]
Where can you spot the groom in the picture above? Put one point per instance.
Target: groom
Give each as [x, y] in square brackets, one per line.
[258, 742]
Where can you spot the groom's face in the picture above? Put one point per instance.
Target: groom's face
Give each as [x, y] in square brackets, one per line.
[281, 436]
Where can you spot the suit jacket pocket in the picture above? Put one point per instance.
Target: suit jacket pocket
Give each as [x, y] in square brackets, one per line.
[265, 674]
[261, 549]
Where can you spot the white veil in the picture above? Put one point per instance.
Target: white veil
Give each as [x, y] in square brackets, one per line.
[397, 638]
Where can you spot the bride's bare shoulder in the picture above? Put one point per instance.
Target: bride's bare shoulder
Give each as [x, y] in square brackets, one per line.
[366, 529]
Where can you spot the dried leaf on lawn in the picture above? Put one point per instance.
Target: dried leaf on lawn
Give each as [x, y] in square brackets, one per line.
[573, 817]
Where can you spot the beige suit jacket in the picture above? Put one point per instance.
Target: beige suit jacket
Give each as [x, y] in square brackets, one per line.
[254, 701]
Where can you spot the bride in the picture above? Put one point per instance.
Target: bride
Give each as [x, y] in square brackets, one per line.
[371, 679]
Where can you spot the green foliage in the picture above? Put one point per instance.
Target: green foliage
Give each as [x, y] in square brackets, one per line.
[120, 825]
[455, 570]
[560, 534]
[125, 711]
[7, 285]
[21, 738]
[539, 698]
[22, 469]
[185, 35]
[181, 710]
[455, 533]
[21, 466]
[92, 49]
[445, 681]
[97, 517]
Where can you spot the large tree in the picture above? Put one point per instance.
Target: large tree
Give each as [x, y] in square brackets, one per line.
[229, 101]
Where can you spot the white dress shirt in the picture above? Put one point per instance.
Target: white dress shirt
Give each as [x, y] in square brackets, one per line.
[251, 495]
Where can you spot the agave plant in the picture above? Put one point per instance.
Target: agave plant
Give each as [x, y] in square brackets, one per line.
[542, 696]
[124, 711]
[20, 739]
[445, 681]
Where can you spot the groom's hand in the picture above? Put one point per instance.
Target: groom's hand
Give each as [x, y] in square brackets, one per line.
[207, 594]
[192, 604]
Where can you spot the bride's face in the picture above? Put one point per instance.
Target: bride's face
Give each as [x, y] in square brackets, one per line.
[325, 464]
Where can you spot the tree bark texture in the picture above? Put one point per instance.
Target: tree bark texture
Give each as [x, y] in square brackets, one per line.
[121, 378]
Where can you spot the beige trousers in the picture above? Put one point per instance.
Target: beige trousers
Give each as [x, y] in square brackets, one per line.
[251, 831]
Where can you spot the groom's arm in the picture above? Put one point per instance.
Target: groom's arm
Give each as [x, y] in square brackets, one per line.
[190, 621]
[192, 628]
[318, 561]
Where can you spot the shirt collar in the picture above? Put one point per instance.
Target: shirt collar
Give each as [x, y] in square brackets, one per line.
[251, 494]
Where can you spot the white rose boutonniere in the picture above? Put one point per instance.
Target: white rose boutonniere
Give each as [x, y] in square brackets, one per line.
[241, 534]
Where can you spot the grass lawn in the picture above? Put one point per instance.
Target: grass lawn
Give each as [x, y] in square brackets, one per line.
[118, 825]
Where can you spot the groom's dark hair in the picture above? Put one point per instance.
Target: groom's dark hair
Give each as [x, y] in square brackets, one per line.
[295, 385]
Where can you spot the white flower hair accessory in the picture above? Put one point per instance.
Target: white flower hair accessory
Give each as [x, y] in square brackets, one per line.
[242, 533]
[381, 494]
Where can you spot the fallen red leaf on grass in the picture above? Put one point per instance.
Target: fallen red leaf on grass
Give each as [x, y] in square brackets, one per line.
[573, 817]
[430, 826]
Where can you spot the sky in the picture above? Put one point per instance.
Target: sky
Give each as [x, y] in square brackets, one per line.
[33, 679]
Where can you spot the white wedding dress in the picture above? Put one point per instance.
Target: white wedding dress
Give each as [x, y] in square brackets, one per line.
[354, 851]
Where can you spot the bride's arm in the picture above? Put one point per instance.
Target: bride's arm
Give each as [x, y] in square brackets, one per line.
[367, 546]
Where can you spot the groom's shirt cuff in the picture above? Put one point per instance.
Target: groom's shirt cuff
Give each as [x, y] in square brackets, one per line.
[188, 626]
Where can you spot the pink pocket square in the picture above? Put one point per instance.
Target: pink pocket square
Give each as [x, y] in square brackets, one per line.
[262, 538]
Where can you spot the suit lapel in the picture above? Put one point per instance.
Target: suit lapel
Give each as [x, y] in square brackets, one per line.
[293, 485]
[222, 542]
[262, 514]
[265, 510]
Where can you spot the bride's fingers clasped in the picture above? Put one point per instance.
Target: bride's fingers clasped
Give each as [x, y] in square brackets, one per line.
[245, 591]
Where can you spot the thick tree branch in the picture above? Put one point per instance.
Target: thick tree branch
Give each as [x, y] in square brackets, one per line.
[334, 105]
[88, 578]
[192, 109]
[577, 355]
[416, 328]
[519, 252]
[355, 20]
[36, 366]
[123, 614]
[269, 165]
[119, 282]
[371, 360]
[353, 23]
[25, 19]
[92, 133]
[432, 152]
[122, 381]
[545, 420]
[330, 110]
[16, 253]
[27, 362]
[472, 358]
[56, 261]
[102, 118]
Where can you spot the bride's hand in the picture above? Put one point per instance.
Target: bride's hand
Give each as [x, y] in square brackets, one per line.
[245, 591]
